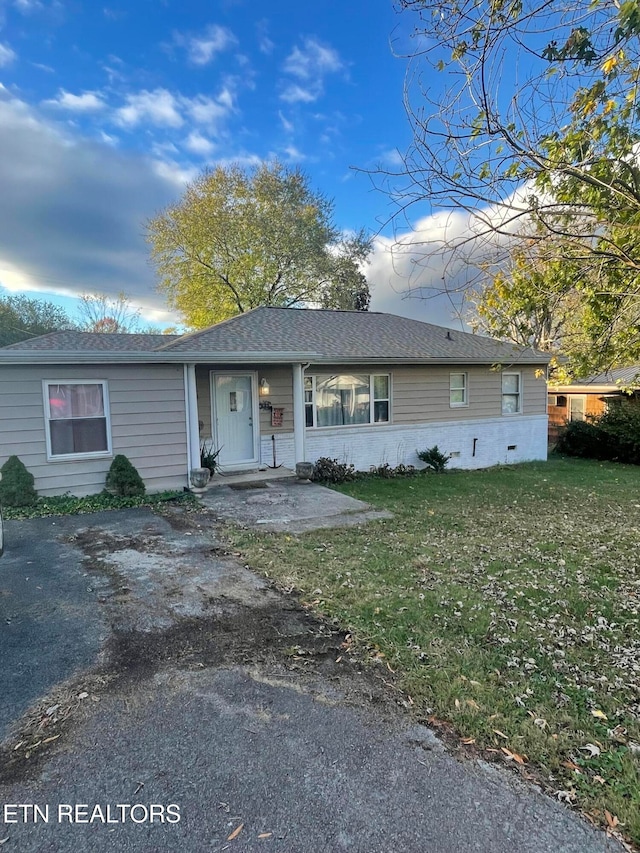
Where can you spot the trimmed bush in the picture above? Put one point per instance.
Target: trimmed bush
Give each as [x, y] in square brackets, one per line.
[123, 479]
[331, 471]
[434, 458]
[16, 486]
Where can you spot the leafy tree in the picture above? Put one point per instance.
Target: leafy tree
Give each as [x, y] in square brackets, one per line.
[241, 239]
[108, 314]
[535, 135]
[535, 302]
[22, 318]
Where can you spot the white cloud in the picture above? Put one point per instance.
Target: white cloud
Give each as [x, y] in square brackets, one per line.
[287, 125]
[7, 55]
[174, 173]
[27, 6]
[294, 153]
[206, 111]
[294, 94]
[309, 65]
[203, 50]
[312, 60]
[199, 144]
[87, 102]
[265, 44]
[108, 139]
[426, 271]
[159, 108]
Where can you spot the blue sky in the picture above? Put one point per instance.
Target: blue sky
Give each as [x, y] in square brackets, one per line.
[107, 109]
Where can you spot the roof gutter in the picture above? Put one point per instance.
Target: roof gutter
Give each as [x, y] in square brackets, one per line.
[168, 357]
[592, 389]
[69, 357]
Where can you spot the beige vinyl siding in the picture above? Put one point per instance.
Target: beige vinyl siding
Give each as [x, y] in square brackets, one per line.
[534, 389]
[420, 393]
[146, 404]
[280, 379]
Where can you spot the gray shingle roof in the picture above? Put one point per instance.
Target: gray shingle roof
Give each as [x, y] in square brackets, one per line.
[315, 335]
[346, 335]
[72, 341]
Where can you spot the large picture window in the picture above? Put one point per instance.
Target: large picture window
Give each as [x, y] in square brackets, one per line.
[77, 418]
[347, 399]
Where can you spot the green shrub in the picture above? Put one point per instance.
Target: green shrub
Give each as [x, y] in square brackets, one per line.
[388, 473]
[581, 438]
[620, 426]
[614, 436]
[434, 459]
[123, 479]
[16, 486]
[331, 471]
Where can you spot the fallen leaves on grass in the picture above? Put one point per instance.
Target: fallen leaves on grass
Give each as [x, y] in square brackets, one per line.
[513, 756]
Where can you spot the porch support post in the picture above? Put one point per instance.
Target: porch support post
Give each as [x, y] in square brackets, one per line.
[193, 428]
[298, 413]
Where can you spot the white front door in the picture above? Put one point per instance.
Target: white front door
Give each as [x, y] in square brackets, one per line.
[233, 411]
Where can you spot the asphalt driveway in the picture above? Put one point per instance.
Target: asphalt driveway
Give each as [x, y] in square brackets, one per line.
[161, 679]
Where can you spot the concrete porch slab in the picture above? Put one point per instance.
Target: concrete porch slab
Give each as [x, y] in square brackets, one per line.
[248, 477]
[289, 506]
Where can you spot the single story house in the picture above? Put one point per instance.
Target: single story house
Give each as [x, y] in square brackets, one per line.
[366, 388]
[591, 396]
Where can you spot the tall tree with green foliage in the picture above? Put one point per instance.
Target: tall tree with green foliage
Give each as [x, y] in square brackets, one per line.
[239, 239]
[23, 318]
[535, 134]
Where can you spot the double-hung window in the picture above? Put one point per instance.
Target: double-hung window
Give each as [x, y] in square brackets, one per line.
[458, 390]
[347, 399]
[77, 419]
[511, 393]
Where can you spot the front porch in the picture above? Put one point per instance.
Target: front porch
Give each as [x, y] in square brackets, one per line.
[250, 415]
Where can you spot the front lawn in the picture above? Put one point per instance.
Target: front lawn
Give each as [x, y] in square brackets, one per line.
[507, 601]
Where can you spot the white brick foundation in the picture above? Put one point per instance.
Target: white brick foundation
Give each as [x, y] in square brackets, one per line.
[476, 444]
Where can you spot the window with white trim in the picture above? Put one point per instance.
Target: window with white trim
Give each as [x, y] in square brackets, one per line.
[458, 390]
[77, 420]
[347, 399]
[511, 393]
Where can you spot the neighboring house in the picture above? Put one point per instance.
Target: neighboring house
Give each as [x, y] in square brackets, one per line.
[591, 396]
[365, 388]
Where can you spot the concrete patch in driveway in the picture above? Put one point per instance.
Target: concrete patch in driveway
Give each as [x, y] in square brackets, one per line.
[289, 505]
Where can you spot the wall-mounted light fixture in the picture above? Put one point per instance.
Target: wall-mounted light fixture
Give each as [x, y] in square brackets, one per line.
[263, 391]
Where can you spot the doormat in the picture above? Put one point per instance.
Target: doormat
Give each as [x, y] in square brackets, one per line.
[243, 487]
